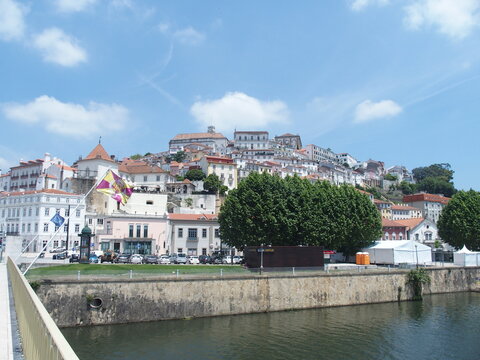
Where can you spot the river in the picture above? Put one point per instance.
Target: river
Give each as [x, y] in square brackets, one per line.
[441, 327]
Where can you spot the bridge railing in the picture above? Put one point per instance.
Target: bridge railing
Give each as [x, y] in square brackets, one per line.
[41, 338]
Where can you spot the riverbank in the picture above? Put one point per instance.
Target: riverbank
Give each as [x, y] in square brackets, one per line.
[97, 302]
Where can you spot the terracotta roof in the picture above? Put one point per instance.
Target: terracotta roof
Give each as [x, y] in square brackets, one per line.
[45, 191]
[376, 201]
[191, 136]
[219, 159]
[193, 217]
[29, 163]
[65, 167]
[392, 223]
[98, 153]
[426, 197]
[139, 167]
[410, 223]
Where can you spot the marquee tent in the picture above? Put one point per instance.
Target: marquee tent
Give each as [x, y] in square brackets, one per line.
[465, 257]
[394, 252]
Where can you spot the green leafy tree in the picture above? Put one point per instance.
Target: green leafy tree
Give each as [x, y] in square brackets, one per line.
[390, 177]
[459, 222]
[136, 157]
[148, 154]
[179, 156]
[270, 210]
[212, 184]
[407, 188]
[195, 175]
[437, 185]
[436, 170]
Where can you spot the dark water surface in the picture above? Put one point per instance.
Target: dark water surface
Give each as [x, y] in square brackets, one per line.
[441, 327]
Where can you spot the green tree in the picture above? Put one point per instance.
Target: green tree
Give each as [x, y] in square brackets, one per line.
[212, 184]
[443, 171]
[195, 175]
[390, 177]
[179, 156]
[407, 188]
[459, 222]
[270, 210]
[136, 157]
[437, 185]
[148, 154]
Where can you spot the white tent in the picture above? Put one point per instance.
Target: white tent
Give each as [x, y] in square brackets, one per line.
[396, 252]
[466, 257]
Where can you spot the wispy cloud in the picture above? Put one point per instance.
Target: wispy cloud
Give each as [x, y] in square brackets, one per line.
[59, 48]
[67, 118]
[187, 36]
[70, 6]
[236, 109]
[454, 18]
[368, 111]
[12, 20]
[358, 5]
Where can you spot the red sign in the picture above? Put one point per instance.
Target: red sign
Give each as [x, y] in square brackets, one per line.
[329, 252]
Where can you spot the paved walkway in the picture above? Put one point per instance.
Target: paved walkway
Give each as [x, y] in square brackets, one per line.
[6, 339]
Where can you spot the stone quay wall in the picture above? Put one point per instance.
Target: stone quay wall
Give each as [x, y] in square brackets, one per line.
[94, 302]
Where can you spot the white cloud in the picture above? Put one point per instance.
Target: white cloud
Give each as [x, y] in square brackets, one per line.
[454, 18]
[189, 36]
[368, 110]
[68, 6]
[12, 23]
[238, 110]
[358, 5]
[59, 48]
[69, 119]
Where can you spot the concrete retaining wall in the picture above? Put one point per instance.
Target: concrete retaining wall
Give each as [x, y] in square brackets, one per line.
[160, 299]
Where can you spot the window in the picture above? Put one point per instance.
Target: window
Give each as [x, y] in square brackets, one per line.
[67, 212]
[29, 211]
[23, 228]
[139, 230]
[55, 243]
[77, 228]
[180, 232]
[90, 221]
[47, 211]
[180, 250]
[45, 227]
[37, 211]
[130, 230]
[58, 199]
[145, 177]
[217, 233]
[204, 251]
[65, 228]
[57, 211]
[192, 251]
[417, 237]
[204, 233]
[100, 221]
[145, 231]
[29, 227]
[77, 214]
[192, 234]
[158, 177]
[24, 212]
[36, 227]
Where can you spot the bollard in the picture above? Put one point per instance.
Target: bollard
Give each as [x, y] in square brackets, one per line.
[131, 274]
[358, 269]
[221, 272]
[388, 268]
[78, 275]
[293, 270]
[177, 273]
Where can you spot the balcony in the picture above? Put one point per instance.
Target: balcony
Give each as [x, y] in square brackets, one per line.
[14, 177]
[24, 177]
[13, 233]
[192, 238]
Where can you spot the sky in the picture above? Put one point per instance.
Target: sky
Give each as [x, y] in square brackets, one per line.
[391, 80]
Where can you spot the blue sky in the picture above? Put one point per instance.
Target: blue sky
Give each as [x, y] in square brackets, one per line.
[392, 80]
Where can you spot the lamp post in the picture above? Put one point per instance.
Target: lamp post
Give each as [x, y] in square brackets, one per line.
[68, 229]
[261, 259]
[85, 239]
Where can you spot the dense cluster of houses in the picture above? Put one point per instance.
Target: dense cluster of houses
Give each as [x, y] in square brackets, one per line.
[170, 214]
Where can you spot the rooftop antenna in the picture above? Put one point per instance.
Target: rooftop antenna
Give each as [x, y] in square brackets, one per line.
[100, 140]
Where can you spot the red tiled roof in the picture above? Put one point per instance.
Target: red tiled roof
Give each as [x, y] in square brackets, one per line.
[391, 223]
[193, 217]
[426, 197]
[402, 207]
[139, 167]
[98, 153]
[218, 159]
[410, 223]
[45, 191]
[65, 167]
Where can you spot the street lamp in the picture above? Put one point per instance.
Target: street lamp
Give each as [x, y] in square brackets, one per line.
[261, 259]
[416, 254]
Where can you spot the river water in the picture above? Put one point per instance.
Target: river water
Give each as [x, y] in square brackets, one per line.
[441, 327]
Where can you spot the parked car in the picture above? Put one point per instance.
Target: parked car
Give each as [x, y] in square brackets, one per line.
[164, 259]
[237, 259]
[193, 260]
[136, 259]
[205, 259]
[93, 259]
[60, 256]
[151, 259]
[123, 259]
[108, 256]
[217, 260]
[74, 258]
[57, 249]
[179, 258]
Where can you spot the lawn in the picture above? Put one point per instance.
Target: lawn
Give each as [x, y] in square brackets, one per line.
[124, 269]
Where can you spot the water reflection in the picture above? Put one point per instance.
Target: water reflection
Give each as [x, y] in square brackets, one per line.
[440, 327]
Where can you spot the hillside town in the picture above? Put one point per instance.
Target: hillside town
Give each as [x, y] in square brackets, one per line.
[168, 213]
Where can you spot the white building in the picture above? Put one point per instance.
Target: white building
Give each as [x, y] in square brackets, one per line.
[216, 141]
[318, 153]
[223, 167]
[430, 205]
[251, 140]
[28, 213]
[345, 158]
